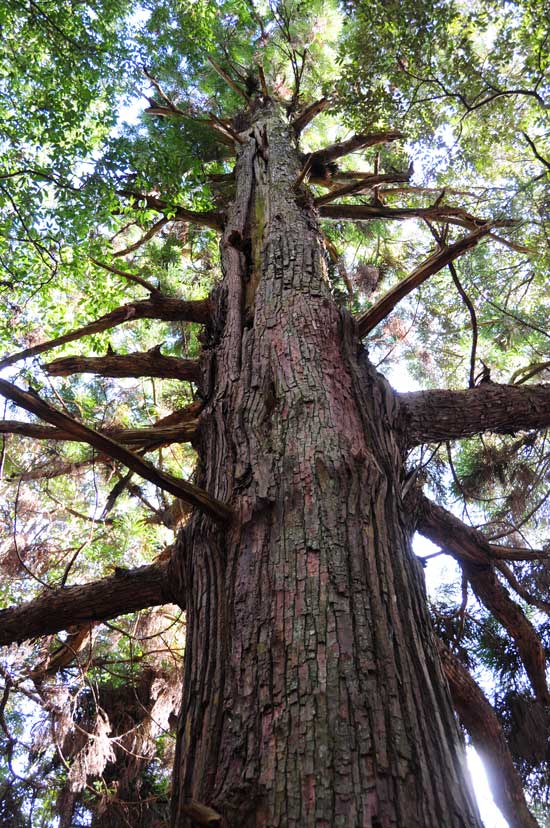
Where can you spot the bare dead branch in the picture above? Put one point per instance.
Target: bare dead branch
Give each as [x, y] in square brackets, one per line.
[439, 213]
[175, 212]
[131, 277]
[65, 653]
[357, 142]
[480, 720]
[157, 307]
[438, 260]
[308, 114]
[181, 430]
[528, 372]
[63, 607]
[352, 176]
[227, 78]
[366, 182]
[32, 403]
[149, 364]
[149, 234]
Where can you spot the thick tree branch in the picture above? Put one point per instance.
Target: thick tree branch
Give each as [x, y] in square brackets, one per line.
[365, 182]
[149, 364]
[472, 550]
[32, 403]
[516, 553]
[436, 416]
[157, 307]
[440, 213]
[174, 212]
[308, 114]
[353, 177]
[485, 731]
[358, 142]
[56, 609]
[436, 262]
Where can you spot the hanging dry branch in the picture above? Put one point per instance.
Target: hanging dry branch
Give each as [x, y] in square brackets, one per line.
[480, 720]
[32, 403]
[471, 549]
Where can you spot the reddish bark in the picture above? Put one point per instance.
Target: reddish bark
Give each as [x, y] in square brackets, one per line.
[313, 694]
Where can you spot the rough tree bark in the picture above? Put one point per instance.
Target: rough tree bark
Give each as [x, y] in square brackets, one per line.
[313, 693]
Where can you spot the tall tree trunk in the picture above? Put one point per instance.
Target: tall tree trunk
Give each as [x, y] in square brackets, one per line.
[313, 693]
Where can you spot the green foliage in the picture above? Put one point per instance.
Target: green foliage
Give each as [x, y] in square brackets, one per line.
[470, 89]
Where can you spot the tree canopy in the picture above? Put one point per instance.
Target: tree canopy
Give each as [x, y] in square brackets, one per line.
[426, 148]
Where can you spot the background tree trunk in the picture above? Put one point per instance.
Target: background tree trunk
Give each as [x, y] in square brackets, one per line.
[313, 694]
